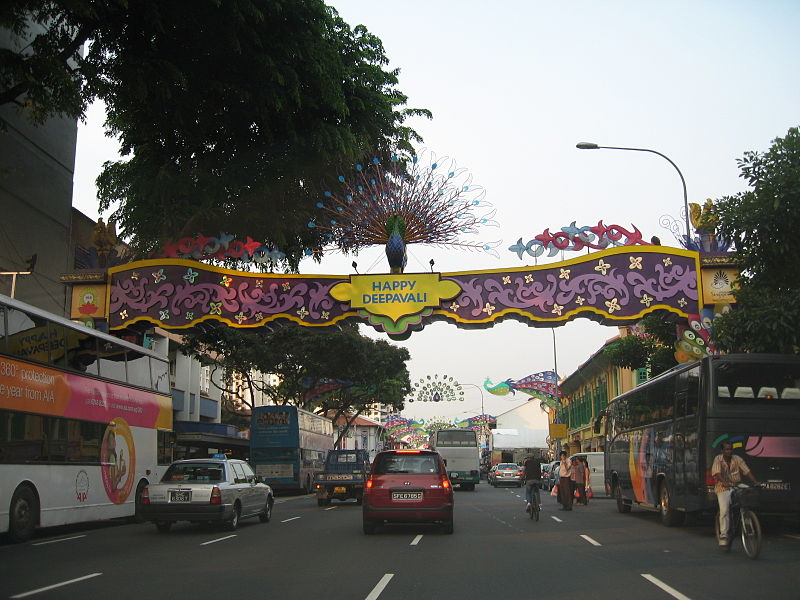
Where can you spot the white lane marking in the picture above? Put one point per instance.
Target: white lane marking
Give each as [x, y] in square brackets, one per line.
[287, 520]
[556, 519]
[74, 537]
[590, 540]
[376, 591]
[670, 590]
[55, 585]
[227, 537]
[331, 508]
[416, 540]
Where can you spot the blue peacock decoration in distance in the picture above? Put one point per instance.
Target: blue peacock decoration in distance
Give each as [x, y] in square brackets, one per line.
[401, 203]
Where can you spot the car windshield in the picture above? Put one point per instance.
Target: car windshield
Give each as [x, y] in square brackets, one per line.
[195, 472]
[508, 467]
[406, 463]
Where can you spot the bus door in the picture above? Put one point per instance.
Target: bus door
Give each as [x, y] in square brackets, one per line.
[687, 467]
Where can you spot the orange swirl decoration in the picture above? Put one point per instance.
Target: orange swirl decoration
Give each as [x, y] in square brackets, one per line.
[117, 469]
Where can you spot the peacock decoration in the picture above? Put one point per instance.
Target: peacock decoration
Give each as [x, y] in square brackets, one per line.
[405, 202]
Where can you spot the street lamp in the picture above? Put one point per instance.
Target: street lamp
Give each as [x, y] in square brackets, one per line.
[593, 146]
[484, 435]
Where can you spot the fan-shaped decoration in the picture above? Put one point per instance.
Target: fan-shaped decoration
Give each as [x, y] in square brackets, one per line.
[405, 202]
[437, 388]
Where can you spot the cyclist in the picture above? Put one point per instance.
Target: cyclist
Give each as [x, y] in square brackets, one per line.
[727, 470]
[533, 478]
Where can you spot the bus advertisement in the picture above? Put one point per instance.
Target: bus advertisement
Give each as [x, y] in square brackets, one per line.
[662, 437]
[461, 454]
[288, 446]
[85, 421]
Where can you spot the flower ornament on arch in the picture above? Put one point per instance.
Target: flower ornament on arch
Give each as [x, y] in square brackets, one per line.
[564, 274]
[489, 309]
[612, 305]
[302, 313]
[557, 309]
[455, 306]
[602, 267]
[506, 279]
[636, 262]
[528, 278]
[647, 300]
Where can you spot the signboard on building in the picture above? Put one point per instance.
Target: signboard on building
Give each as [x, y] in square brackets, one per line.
[558, 430]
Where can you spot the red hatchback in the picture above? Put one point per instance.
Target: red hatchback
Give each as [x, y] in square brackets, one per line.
[408, 486]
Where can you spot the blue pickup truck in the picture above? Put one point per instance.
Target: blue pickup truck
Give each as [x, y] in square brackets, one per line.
[343, 476]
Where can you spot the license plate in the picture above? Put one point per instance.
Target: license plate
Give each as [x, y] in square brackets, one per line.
[453, 475]
[335, 477]
[783, 486]
[340, 490]
[180, 496]
[406, 495]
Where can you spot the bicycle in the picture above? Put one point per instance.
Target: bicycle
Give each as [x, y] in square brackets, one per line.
[533, 513]
[742, 520]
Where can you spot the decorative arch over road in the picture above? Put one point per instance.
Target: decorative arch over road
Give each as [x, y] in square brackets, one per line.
[616, 286]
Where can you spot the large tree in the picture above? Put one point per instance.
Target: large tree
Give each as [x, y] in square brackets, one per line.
[232, 115]
[764, 222]
[303, 359]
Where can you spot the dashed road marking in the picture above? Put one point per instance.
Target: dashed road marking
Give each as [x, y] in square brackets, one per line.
[376, 591]
[670, 590]
[227, 537]
[287, 520]
[74, 537]
[55, 585]
[331, 507]
[416, 540]
[556, 519]
[590, 540]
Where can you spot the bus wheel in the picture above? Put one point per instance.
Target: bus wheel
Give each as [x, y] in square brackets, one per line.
[24, 514]
[621, 505]
[163, 526]
[669, 516]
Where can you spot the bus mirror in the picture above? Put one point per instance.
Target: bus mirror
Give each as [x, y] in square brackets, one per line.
[445, 461]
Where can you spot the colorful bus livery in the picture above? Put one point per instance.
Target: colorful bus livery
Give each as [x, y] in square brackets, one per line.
[288, 446]
[663, 436]
[85, 421]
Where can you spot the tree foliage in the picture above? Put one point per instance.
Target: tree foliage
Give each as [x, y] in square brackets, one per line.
[763, 223]
[302, 358]
[232, 115]
[654, 350]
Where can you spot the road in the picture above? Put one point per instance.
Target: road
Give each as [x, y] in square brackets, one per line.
[496, 552]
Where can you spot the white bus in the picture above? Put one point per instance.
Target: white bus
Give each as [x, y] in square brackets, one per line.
[85, 421]
[462, 456]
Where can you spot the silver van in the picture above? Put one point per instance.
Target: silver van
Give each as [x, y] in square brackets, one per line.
[597, 471]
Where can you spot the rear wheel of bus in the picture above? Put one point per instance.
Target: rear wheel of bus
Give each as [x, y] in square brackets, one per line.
[24, 514]
[622, 506]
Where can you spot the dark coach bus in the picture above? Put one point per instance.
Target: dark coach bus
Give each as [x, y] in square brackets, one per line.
[662, 437]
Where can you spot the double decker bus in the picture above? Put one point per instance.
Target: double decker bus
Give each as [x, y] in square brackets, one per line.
[662, 437]
[461, 453]
[288, 446]
[85, 421]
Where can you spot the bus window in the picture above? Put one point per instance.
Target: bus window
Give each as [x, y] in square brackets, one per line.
[57, 344]
[112, 361]
[138, 369]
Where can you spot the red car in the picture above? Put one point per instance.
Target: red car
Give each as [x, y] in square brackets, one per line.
[408, 486]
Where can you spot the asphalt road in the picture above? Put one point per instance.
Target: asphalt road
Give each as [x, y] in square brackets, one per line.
[496, 552]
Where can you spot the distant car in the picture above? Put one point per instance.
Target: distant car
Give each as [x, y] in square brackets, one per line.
[550, 475]
[505, 474]
[207, 490]
[408, 486]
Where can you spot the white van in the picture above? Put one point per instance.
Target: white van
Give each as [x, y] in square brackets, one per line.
[597, 471]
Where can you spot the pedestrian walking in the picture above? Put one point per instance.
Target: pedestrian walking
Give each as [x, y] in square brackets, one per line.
[579, 476]
[565, 482]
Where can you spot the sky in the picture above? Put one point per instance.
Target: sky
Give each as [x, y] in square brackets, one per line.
[513, 86]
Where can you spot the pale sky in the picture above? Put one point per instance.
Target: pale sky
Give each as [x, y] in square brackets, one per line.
[513, 86]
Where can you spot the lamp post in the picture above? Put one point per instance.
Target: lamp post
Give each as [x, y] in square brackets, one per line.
[484, 436]
[593, 146]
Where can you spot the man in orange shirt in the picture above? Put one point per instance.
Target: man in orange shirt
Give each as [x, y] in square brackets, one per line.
[727, 470]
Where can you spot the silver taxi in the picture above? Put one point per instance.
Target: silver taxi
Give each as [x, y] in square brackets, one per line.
[207, 490]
